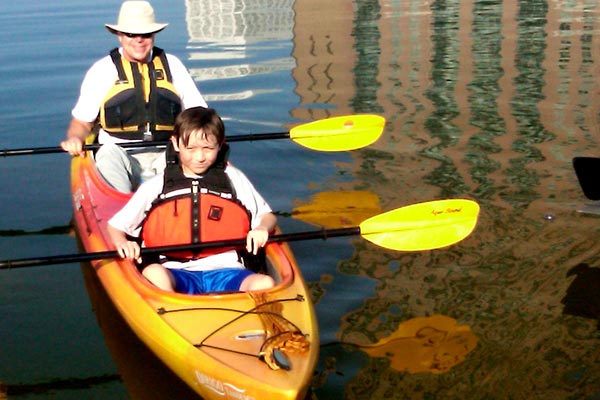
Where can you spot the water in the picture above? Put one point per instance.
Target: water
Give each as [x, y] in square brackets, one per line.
[484, 100]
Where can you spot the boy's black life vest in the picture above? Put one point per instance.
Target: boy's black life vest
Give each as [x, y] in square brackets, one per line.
[141, 101]
[195, 210]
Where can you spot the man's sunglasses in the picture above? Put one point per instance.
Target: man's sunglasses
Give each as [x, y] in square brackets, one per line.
[135, 35]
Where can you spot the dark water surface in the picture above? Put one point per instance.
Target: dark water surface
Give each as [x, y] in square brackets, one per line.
[484, 100]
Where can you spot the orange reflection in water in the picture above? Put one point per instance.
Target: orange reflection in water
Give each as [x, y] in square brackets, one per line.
[336, 209]
[425, 344]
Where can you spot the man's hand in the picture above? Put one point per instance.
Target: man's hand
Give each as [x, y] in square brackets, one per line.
[73, 146]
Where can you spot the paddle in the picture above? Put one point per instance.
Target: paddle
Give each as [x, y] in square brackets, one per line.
[343, 133]
[586, 169]
[422, 226]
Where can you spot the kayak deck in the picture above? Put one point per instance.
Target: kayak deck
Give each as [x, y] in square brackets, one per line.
[262, 345]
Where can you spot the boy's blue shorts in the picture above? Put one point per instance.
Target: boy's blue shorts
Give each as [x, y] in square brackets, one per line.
[198, 282]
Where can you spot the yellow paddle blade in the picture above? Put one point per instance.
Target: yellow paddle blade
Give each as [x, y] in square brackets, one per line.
[335, 209]
[422, 226]
[339, 133]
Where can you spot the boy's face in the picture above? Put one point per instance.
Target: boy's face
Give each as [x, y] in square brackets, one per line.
[199, 154]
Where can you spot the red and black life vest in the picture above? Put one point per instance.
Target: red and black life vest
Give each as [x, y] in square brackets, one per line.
[143, 99]
[196, 210]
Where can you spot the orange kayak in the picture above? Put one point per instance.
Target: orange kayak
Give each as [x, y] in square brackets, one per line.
[261, 345]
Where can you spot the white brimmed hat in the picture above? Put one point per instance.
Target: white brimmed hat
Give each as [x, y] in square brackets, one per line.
[136, 17]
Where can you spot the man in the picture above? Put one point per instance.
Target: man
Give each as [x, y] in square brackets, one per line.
[134, 94]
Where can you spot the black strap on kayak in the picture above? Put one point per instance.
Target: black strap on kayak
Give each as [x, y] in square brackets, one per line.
[242, 313]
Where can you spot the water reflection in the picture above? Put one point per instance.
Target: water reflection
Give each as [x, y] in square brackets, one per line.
[226, 30]
[337, 209]
[425, 344]
[419, 345]
[583, 295]
[484, 100]
[142, 372]
[52, 230]
[48, 389]
[489, 101]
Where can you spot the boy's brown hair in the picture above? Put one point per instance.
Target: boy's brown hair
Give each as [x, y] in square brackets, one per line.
[198, 118]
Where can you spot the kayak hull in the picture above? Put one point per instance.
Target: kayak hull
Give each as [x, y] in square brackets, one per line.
[261, 345]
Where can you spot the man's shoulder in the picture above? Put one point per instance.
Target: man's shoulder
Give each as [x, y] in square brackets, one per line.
[103, 65]
[103, 61]
[172, 59]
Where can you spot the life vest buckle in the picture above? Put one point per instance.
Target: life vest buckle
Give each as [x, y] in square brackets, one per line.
[215, 213]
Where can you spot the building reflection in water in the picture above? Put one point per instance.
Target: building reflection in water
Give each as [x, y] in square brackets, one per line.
[489, 101]
[223, 30]
[484, 100]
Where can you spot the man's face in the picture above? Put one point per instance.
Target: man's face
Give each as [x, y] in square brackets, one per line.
[136, 48]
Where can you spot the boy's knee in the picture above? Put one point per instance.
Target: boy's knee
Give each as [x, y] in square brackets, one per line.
[257, 282]
[152, 270]
[159, 276]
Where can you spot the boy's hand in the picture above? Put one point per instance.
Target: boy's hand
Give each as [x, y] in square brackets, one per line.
[256, 239]
[129, 250]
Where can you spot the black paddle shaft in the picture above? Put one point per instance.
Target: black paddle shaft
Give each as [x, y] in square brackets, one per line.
[82, 257]
[234, 138]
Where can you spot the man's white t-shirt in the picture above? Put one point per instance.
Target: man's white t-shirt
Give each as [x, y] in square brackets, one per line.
[101, 77]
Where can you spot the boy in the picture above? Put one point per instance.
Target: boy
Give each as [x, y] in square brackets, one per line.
[201, 198]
